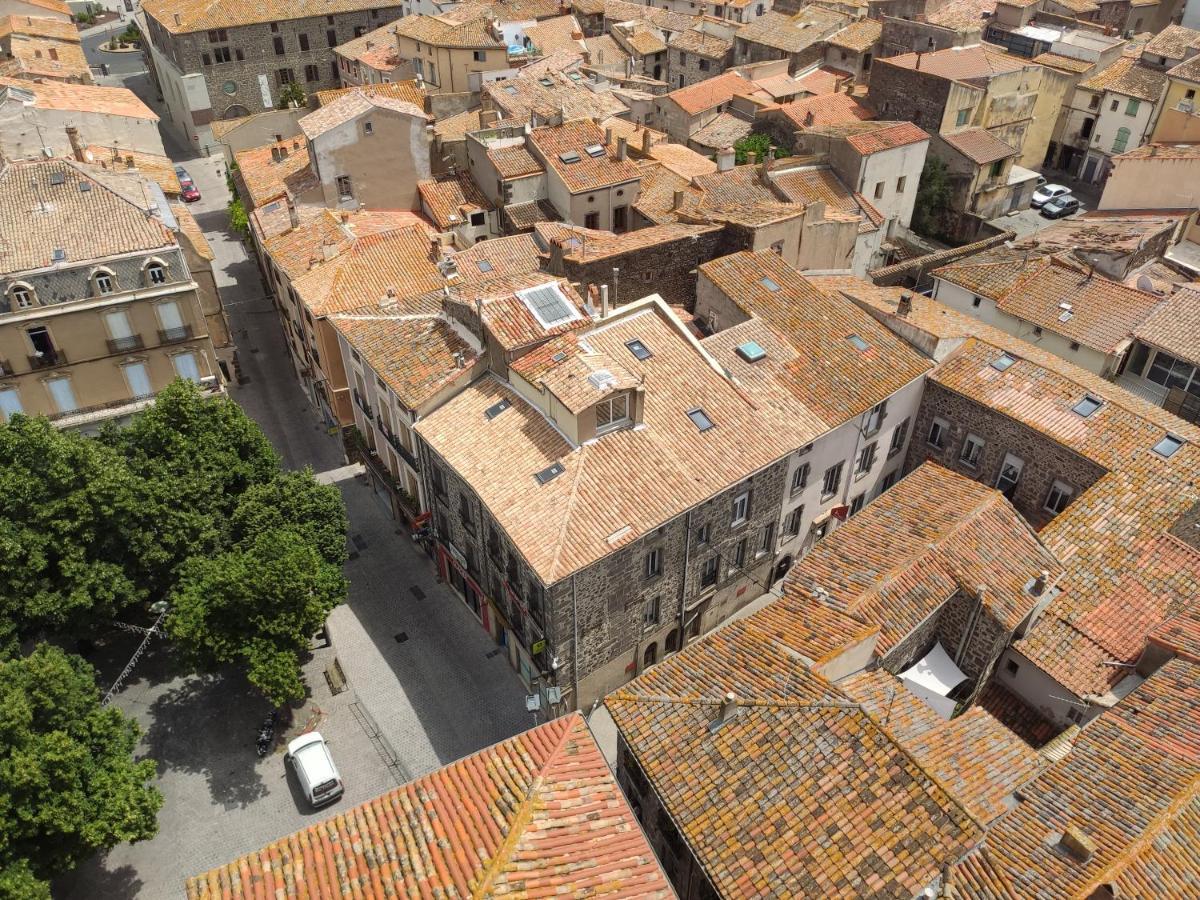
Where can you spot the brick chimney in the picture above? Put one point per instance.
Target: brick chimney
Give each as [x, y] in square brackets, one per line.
[78, 149]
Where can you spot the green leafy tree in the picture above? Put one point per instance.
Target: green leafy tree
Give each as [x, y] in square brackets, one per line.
[295, 501]
[757, 143]
[292, 95]
[69, 785]
[933, 198]
[257, 605]
[238, 220]
[73, 526]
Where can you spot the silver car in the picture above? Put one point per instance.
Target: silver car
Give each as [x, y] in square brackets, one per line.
[318, 776]
[1048, 192]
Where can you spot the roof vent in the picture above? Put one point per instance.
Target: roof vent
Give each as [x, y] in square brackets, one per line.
[496, 408]
[550, 473]
[751, 351]
[602, 379]
[1077, 844]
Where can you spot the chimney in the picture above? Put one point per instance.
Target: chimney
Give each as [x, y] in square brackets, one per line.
[1039, 584]
[608, 136]
[328, 250]
[904, 307]
[275, 157]
[1079, 845]
[345, 214]
[1154, 149]
[809, 118]
[77, 147]
[488, 118]
[577, 35]
[622, 149]
[283, 153]
[646, 142]
[178, 21]
[460, 359]
[678, 200]
[849, 86]
[751, 157]
[604, 308]
[293, 213]
[725, 159]
[728, 709]
[129, 162]
[917, 67]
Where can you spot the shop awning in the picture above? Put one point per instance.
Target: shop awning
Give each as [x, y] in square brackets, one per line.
[933, 677]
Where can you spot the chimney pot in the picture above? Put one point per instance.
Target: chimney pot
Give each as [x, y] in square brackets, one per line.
[604, 308]
[1039, 584]
[728, 707]
[1079, 845]
[275, 154]
[726, 157]
[809, 118]
[904, 307]
[678, 200]
[622, 149]
[646, 142]
[608, 136]
[751, 157]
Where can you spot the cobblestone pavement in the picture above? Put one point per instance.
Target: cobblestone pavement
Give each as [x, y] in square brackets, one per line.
[439, 692]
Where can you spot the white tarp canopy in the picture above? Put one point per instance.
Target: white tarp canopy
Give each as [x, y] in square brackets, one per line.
[932, 678]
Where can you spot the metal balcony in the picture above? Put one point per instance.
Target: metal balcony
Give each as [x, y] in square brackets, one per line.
[123, 344]
[47, 360]
[174, 335]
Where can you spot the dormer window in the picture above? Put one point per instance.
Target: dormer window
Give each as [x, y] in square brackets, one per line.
[22, 296]
[104, 281]
[612, 413]
[156, 272]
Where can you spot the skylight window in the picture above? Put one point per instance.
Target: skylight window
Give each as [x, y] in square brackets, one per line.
[1003, 362]
[1167, 447]
[550, 473]
[484, 265]
[595, 150]
[59, 254]
[570, 157]
[1087, 405]
[509, 89]
[545, 82]
[700, 418]
[57, 177]
[496, 408]
[751, 351]
[858, 343]
[548, 304]
[85, 186]
[638, 349]
[768, 284]
[574, 76]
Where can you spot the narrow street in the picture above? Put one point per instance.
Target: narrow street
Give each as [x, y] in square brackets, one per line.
[425, 683]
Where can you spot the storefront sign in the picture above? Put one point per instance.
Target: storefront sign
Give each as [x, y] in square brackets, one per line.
[537, 647]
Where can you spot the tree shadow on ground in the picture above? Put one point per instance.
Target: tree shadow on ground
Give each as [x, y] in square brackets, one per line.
[93, 879]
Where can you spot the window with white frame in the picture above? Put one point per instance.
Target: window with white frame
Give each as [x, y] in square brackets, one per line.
[791, 525]
[612, 412]
[651, 611]
[104, 281]
[1058, 498]
[654, 562]
[972, 451]
[937, 433]
[899, 436]
[800, 478]
[739, 554]
[741, 508]
[874, 418]
[138, 378]
[186, 366]
[62, 394]
[170, 320]
[156, 272]
[10, 402]
[831, 481]
[22, 296]
[866, 459]
[766, 541]
[345, 188]
[1010, 475]
[710, 572]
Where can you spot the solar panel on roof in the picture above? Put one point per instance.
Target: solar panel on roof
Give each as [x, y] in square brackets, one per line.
[548, 305]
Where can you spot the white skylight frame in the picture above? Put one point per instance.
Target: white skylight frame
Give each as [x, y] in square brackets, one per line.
[527, 295]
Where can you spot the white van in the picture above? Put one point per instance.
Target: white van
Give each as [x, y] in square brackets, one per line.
[318, 776]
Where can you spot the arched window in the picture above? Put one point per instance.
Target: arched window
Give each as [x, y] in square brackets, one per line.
[650, 657]
[1122, 140]
[104, 281]
[155, 272]
[22, 295]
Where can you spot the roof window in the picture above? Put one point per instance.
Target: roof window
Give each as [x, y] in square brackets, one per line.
[59, 254]
[639, 350]
[1003, 362]
[548, 304]
[768, 284]
[751, 351]
[1087, 405]
[550, 473]
[545, 82]
[1167, 447]
[595, 150]
[570, 157]
[700, 418]
[484, 265]
[57, 177]
[496, 408]
[1067, 313]
[574, 76]
[858, 343]
[85, 186]
[509, 89]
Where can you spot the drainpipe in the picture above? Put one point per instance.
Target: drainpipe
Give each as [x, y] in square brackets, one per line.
[687, 556]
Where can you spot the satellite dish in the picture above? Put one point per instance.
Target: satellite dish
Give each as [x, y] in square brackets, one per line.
[1145, 284]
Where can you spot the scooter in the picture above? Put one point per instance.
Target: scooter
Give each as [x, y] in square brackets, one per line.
[266, 734]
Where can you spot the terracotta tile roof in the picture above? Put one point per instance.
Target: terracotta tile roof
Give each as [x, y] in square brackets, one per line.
[188, 16]
[320, 233]
[588, 173]
[992, 273]
[820, 184]
[1017, 715]
[352, 105]
[1103, 314]
[34, 55]
[701, 43]
[724, 130]
[634, 133]
[606, 55]
[793, 33]
[644, 42]
[795, 753]
[521, 216]
[1128, 77]
[514, 162]
[1104, 233]
[537, 815]
[1126, 786]
[113, 101]
[38, 216]
[451, 200]
[365, 47]
[56, 6]
[456, 127]
[704, 95]
[266, 178]
[979, 145]
[1189, 69]
[827, 109]
[823, 373]
[442, 32]
[599, 503]
[977, 63]
[1064, 63]
[657, 197]
[667, 20]
[737, 195]
[190, 228]
[507, 318]
[364, 272]
[40, 26]
[1162, 151]
[517, 255]
[878, 137]
[548, 93]
[509, 10]
[859, 36]
[396, 90]
[1173, 42]
[631, 241]
[963, 16]
[681, 160]
[159, 169]
[554, 34]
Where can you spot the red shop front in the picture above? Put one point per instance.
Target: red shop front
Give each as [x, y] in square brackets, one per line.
[452, 566]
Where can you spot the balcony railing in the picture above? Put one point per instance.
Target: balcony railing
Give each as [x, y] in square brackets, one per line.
[100, 407]
[5, 367]
[122, 344]
[48, 359]
[174, 335]
[404, 453]
[363, 404]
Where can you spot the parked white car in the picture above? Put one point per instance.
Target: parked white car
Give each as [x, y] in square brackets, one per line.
[318, 776]
[1048, 192]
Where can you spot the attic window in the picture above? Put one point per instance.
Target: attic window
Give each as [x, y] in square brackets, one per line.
[574, 76]
[58, 255]
[570, 157]
[1066, 314]
[639, 350]
[1087, 405]
[548, 305]
[768, 284]
[509, 89]
[595, 150]
[751, 351]
[545, 82]
[496, 408]
[85, 186]
[1167, 446]
[858, 343]
[700, 418]
[1003, 362]
[484, 265]
[57, 177]
[549, 474]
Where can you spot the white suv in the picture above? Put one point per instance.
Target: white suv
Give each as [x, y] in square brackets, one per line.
[318, 776]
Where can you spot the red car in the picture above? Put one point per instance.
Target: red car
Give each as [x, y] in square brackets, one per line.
[191, 193]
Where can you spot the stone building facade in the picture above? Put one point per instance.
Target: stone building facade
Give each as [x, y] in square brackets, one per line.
[229, 72]
[1042, 463]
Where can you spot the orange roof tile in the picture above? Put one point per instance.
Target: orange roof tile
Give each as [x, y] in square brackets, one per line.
[452, 199]
[113, 101]
[1175, 325]
[979, 145]
[396, 90]
[826, 109]
[704, 95]
[266, 177]
[859, 36]
[1128, 77]
[189, 16]
[537, 815]
[814, 184]
[585, 172]
[979, 62]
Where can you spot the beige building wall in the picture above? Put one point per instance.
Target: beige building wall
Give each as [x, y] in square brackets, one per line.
[25, 130]
[1153, 183]
[452, 68]
[384, 152]
[1179, 121]
[1056, 88]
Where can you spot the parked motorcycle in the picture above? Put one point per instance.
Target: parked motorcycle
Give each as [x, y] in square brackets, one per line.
[266, 734]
